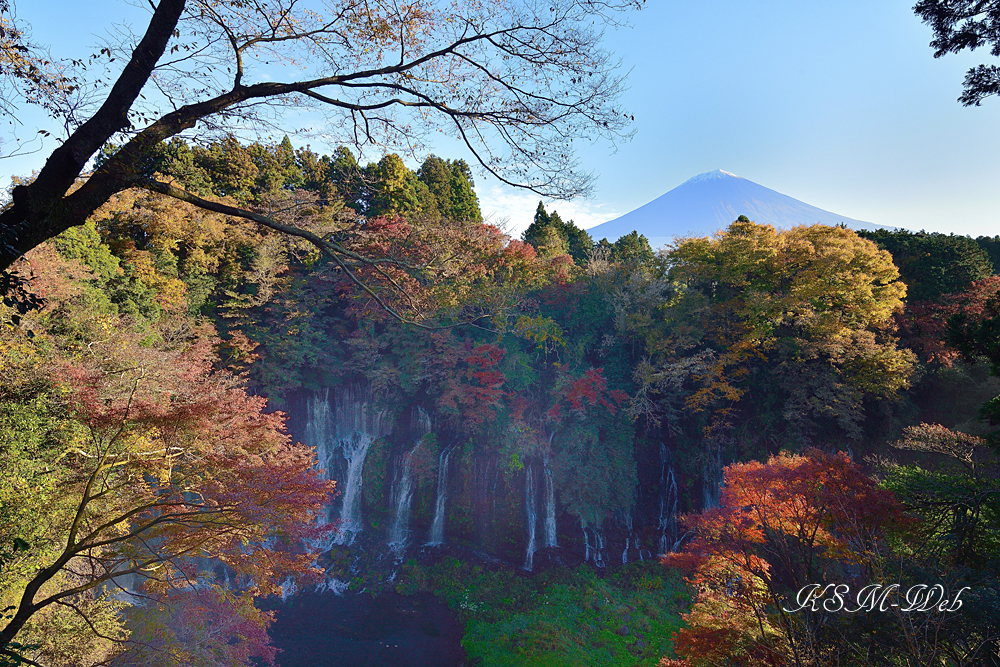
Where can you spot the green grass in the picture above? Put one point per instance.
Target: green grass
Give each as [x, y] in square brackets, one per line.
[564, 617]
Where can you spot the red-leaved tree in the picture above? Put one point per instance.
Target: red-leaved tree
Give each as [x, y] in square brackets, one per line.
[781, 526]
[165, 460]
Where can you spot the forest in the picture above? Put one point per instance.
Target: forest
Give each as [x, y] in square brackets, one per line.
[590, 453]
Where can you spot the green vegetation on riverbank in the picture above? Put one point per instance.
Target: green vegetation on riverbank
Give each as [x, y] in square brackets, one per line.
[561, 616]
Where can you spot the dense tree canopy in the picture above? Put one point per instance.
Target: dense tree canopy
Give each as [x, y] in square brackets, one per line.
[813, 305]
[991, 244]
[787, 532]
[550, 235]
[933, 264]
[598, 378]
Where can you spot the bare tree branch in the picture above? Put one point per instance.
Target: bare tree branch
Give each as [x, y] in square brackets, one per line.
[517, 82]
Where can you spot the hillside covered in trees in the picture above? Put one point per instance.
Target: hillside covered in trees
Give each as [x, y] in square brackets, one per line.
[770, 408]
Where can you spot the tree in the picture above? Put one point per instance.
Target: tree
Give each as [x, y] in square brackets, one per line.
[782, 525]
[632, 250]
[208, 627]
[551, 236]
[966, 24]
[24, 70]
[991, 244]
[451, 184]
[812, 307]
[348, 183]
[515, 82]
[536, 233]
[966, 325]
[933, 264]
[960, 502]
[955, 491]
[133, 459]
[395, 189]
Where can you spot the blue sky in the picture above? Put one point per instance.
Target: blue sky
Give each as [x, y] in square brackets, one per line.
[841, 105]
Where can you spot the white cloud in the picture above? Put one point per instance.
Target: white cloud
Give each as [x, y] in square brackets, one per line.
[513, 210]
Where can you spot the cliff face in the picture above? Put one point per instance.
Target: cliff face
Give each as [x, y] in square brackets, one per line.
[409, 483]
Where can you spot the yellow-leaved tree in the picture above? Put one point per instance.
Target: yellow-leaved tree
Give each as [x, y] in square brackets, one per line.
[803, 316]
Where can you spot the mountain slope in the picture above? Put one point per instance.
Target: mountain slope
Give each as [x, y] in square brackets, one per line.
[711, 201]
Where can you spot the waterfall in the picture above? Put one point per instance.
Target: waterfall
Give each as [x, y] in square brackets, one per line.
[631, 538]
[288, 588]
[712, 480]
[402, 488]
[402, 494]
[627, 520]
[420, 423]
[342, 430]
[355, 451]
[531, 511]
[550, 506]
[597, 548]
[334, 585]
[437, 527]
[669, 498]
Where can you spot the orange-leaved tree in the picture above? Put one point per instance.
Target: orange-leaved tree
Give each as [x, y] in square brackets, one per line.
[791, 523]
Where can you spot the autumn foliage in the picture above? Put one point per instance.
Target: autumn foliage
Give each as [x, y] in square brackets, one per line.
[475, 392]
[926, 324]
[201, 628]
[161, 460]
[807, 311]
[781, 525]
[576, 394]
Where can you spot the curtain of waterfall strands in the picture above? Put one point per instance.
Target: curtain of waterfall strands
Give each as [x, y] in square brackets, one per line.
[669, 500]
[550, 505]
[342, 423]
[633, 545]
[440, 503]
[401, 496]
[531, 511]
[593, 544]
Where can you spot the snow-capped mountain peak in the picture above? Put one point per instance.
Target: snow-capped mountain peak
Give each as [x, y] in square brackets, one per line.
[712, 201]
[712, 176]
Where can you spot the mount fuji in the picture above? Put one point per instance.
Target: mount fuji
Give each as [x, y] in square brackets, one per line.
[711, 201]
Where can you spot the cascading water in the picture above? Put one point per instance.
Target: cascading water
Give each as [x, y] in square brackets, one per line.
[669, 499]
[631, 538]
[402, 489]
[288, 588]
[532, 516]
[342, 430]
[402, 495]
[437, 527]
[595, 550]
[550, 506]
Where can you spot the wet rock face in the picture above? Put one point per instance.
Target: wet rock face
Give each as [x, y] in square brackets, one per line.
[408, 480]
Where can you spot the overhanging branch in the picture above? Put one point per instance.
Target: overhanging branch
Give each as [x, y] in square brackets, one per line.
[331, 249]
